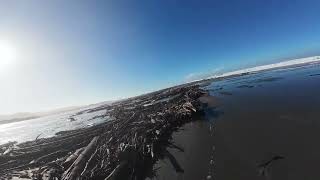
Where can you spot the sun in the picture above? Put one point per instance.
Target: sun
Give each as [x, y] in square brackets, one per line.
[8, 54]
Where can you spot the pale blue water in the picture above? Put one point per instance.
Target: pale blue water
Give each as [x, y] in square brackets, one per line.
[47, 126]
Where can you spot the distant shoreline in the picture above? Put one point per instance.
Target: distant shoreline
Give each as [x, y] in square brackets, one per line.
[18, 120]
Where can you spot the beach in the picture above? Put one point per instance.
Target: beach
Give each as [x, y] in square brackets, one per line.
[265, 117]
[253, 126]
[133, 135]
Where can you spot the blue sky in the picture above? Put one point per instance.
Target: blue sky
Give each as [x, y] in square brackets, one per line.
[79, 52]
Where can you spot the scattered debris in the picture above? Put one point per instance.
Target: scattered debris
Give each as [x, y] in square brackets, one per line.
[38, 136]
[315, 74]
[127, 147]
[268, 79]
[264, 167]
[71, 119]
[245, 86]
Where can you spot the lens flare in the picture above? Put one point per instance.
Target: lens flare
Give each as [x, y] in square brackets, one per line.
[8, 55]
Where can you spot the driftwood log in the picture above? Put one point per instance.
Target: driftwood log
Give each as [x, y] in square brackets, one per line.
[125, 147]
[79, 164]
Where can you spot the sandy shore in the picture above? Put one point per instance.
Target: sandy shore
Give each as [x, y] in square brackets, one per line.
[238, 146]
[269, 131]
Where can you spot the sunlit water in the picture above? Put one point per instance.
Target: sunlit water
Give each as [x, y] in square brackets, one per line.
[48, 126]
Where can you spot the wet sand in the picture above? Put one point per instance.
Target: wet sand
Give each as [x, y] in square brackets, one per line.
[279, 117]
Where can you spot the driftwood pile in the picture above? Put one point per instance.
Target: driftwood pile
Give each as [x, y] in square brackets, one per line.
[125, 147]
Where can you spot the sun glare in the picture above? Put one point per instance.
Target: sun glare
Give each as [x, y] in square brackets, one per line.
[8, 54]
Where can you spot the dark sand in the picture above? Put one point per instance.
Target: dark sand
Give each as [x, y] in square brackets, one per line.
[279, 117]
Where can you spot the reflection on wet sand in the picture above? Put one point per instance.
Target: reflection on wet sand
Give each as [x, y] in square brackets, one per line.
[269, 132]
[314, 74]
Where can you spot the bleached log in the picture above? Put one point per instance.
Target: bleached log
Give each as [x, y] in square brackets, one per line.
[72, 157]
[79, 164]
